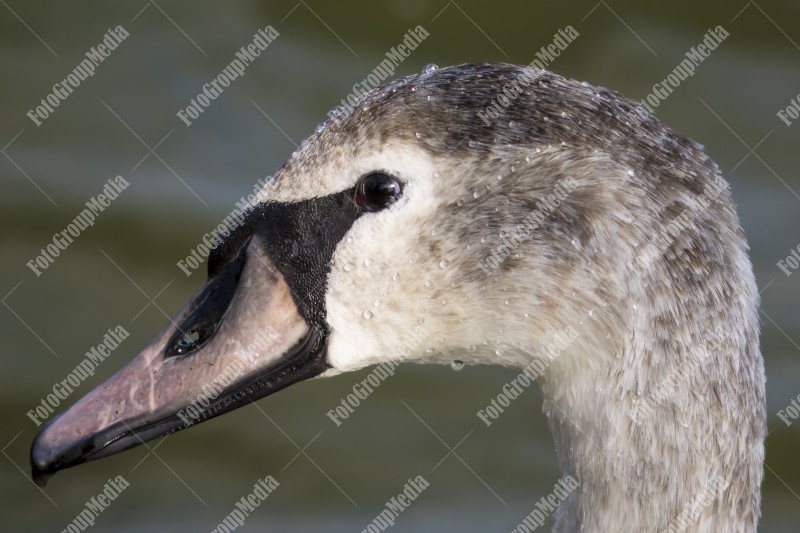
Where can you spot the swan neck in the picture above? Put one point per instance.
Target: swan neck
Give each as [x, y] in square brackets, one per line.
[676, 436]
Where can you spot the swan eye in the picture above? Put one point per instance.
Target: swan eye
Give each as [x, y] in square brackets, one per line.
[377, 191]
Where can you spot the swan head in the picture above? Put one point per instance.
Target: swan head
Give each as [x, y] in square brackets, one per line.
[411, 228]
[481, 254]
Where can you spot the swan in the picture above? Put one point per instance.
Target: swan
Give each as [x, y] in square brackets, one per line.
[557, 227]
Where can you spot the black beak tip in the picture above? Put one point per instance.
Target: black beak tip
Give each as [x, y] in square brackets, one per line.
[41, 466]
[45, 459]
[40, 477]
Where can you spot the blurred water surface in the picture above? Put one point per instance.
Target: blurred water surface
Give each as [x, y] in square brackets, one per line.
[184, 180]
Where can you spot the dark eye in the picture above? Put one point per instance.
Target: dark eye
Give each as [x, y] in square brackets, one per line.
[377, 191]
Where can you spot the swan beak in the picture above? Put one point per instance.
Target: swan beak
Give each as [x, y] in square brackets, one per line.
[240, 338]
